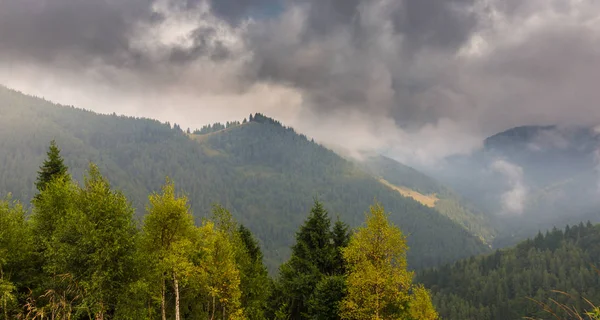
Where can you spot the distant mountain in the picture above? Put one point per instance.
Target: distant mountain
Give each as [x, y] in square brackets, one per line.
[264, 172]
[531, 178]
[499, 286]
[412, 183]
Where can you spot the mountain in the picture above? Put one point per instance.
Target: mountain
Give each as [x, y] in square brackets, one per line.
[531, 178]
[501, 285]
[412, 183]
[264, 172]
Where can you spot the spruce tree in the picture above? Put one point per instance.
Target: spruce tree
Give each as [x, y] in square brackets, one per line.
[311, 260]
[341, 238]
[255, 282]
[53, 167]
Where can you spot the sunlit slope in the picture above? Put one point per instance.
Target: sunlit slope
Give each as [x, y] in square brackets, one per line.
[424, 189]
[265, 173]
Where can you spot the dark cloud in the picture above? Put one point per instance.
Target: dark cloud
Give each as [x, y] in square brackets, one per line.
[433, 68]
[440, 23]
[203, 45]
[48, 29]
[235, 10]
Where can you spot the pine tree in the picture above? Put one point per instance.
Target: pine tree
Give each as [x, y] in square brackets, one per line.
[255, 282]
[311, 260]
[379, 285]
[341, 238]
[53, 167]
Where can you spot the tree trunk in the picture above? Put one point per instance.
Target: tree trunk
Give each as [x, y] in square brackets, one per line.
[4, 302]
[176, 285]
[162, 301]
[100, 314]
[212, 317]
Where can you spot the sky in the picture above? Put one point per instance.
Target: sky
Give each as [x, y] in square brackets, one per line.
[417, 79]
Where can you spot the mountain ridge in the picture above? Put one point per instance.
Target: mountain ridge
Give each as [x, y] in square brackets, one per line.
[265, 173]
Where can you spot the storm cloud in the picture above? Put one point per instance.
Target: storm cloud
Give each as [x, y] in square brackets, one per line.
[418, 79]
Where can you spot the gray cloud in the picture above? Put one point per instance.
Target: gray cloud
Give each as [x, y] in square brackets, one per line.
[420, 78]
[514, 199]
[48, 30]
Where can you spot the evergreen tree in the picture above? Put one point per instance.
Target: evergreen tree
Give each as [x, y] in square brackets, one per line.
[324, 302]
[255, 281]
[53, 167]
[312, 259]
[379, 284]
[341, 238]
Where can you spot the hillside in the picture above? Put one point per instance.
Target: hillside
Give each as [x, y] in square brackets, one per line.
[498, 286]
[530, 178]
[265, 173]
[414, 184]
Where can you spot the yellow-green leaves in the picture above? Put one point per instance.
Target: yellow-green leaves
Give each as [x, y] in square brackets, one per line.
[379, 286]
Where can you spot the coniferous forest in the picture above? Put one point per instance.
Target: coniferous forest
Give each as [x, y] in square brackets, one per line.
[126, 218]
[81, 255]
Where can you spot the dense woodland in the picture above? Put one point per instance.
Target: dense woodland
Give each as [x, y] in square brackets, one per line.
[80, 255]
[74, 246]
[263, 172]
[502, 285]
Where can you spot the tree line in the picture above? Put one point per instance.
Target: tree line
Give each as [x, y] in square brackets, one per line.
[79, 254]
[534, 279]
[263, 173]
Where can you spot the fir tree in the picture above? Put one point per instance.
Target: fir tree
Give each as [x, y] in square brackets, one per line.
[311, 260]
[53, 167]
[341, 238]
[255, 283]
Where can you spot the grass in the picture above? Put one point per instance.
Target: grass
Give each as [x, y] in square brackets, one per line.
[426, 200]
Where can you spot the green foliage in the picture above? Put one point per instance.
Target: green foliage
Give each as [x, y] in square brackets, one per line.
[255, 282]
[216, 127]
[86, 235]
[324, 302]
[261, 171]
[503, 285]
[311, 277]
[52, 168]
[16, 251]
[168, 240]
[379, 284]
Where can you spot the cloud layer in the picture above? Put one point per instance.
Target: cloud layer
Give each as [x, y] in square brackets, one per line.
[420, 79]
[514, 199]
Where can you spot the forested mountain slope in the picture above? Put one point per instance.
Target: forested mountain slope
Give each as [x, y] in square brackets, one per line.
[530, 178]
[265, 173]
[500, 286]
[427, 190]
